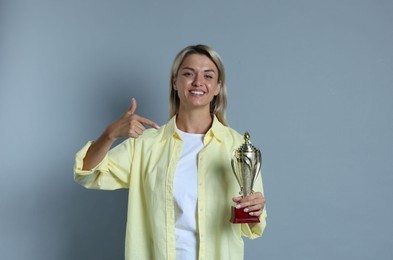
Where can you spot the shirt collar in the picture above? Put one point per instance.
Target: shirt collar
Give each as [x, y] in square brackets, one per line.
[217, 130]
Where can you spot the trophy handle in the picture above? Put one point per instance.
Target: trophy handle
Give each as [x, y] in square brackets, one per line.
[257, 166]
[235, 168]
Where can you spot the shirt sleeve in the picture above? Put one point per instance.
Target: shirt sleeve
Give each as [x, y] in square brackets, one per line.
[253, 231]
[112, 173]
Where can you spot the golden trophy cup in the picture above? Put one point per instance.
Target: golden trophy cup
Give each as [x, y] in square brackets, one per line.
[246, 164]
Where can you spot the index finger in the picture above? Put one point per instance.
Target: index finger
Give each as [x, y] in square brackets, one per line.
[146, 121]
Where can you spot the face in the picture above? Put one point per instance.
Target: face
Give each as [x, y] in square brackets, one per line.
[196, 82]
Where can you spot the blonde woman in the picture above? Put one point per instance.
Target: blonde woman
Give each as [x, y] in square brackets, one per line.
[179, 177]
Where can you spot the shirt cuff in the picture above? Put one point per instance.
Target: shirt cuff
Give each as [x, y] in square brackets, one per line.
[78, 167]
[253, 231]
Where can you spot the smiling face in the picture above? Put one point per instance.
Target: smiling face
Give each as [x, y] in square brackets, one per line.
[196, 82]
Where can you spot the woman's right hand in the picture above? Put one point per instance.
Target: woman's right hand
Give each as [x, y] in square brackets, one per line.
[129, 124]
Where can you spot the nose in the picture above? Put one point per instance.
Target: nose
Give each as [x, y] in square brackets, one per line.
[198, 81]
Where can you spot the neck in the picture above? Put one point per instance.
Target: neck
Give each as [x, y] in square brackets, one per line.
[193, 122]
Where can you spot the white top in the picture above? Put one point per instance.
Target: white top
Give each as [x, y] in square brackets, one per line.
[186, 197]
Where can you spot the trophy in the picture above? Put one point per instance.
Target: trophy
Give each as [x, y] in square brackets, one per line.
[246, 165]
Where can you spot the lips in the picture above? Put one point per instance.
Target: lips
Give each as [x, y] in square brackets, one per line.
[197, 92]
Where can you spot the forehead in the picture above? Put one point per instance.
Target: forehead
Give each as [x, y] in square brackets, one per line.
[198, 61]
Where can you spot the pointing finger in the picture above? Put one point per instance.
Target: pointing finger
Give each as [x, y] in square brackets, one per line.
[146, 121]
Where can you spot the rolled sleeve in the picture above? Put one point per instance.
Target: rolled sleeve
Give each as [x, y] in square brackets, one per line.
[110, 174]
[253, 231]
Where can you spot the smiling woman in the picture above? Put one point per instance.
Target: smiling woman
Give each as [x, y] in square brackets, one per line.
[219, 102]
[196, 84]
[180, 171]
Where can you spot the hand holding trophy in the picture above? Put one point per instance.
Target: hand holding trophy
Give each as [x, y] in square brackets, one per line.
[246, 165]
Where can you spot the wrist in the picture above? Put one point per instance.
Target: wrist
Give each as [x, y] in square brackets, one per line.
[108, 135]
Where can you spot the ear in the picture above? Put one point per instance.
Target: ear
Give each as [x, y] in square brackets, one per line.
[174, 84]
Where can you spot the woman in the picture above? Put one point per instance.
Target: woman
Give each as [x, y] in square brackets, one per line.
[179, 175]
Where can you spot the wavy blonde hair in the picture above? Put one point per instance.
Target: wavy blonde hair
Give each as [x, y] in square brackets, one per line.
[219, 102]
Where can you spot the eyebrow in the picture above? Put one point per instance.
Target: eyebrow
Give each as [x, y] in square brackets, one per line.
[189, 68]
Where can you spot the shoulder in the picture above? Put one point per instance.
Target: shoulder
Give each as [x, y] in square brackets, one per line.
[153, 135]
[227, 135]
[150, 135]
[233, 135]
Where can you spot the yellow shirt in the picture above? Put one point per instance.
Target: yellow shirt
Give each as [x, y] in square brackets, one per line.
[146, 166]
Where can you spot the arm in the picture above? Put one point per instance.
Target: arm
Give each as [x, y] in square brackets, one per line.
[128, 125]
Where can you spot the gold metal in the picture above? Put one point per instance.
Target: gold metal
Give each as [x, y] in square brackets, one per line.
[246, 165]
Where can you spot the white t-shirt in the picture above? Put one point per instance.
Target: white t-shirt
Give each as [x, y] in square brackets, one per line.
[186, 197]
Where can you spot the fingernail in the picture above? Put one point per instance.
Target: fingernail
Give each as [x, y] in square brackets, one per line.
[246, 210]
[238, 206]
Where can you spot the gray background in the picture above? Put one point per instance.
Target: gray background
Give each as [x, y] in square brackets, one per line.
[311, 80]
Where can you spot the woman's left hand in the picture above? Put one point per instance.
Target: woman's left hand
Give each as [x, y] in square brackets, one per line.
[253, 203]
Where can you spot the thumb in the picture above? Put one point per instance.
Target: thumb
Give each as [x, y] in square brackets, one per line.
[132, 109]
[237, 199]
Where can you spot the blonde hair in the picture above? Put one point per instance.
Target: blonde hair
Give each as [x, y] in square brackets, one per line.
[219, 102]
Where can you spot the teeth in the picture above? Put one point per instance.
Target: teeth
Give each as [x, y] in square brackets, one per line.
[197, 92]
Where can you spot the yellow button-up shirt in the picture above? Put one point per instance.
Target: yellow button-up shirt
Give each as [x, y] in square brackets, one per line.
[146, 166]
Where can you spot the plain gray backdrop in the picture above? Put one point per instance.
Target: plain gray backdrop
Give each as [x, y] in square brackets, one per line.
[311, 80]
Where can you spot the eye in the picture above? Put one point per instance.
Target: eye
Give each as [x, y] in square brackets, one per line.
[208, 76]
[187, 74]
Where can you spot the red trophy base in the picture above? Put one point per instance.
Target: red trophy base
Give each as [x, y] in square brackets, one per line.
[240, 217]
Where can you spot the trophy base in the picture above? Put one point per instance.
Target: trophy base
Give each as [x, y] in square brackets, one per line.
[241, 217]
